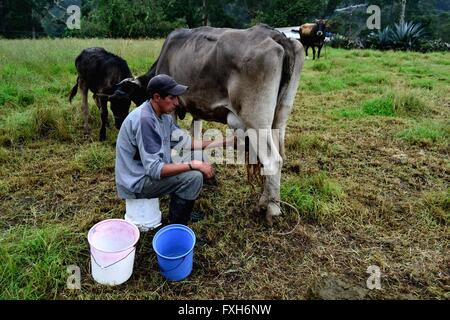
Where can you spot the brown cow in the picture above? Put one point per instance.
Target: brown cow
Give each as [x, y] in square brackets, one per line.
[313, 35]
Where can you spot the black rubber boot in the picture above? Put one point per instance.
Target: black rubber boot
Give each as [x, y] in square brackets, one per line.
[180, 210]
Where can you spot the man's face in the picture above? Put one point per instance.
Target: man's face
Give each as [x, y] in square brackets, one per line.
[166, 105]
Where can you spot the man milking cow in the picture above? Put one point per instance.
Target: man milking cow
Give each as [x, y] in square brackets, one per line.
[247, 79]
[144, 165]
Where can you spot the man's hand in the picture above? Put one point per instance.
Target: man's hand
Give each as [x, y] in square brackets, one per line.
[203, 167]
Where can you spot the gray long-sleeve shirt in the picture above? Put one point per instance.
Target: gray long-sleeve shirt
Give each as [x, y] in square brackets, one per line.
[143, 147]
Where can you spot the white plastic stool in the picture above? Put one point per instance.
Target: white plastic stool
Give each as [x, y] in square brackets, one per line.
[144, 213]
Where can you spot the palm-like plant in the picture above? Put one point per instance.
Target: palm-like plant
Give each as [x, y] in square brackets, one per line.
[405, 35]
[381, 39]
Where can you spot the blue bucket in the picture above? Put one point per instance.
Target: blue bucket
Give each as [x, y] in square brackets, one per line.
[174, 247]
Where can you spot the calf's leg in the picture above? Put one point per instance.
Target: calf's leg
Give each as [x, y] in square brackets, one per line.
[85, 106]
[102, 104]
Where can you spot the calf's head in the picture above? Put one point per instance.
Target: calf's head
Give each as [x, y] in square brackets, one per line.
[124, 92]
[133, 88]
[120, 106]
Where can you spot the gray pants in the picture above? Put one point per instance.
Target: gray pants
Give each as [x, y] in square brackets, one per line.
[186, 185]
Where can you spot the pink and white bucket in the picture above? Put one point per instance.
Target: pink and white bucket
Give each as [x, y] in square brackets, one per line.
[113, 248]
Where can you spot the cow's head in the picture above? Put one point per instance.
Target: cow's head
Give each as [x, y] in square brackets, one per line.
[321, 25]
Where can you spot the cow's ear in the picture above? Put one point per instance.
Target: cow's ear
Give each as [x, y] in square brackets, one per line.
[129, 81]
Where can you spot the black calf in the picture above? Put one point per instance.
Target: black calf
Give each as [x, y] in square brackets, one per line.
[101, 71]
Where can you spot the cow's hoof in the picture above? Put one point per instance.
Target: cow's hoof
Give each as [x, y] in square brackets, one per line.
[273, 209]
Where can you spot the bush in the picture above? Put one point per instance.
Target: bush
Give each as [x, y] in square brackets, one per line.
[380, 40]
[433, 45]
[340, 41]
[404, 36]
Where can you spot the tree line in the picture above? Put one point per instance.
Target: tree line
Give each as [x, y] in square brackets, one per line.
[156, 18]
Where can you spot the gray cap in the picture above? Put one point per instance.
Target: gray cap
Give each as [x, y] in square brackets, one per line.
[165, 84]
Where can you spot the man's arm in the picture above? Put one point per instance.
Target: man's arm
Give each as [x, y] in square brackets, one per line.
[171, 169]
[207, 144]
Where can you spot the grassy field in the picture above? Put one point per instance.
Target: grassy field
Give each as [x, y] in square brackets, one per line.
[368, 168]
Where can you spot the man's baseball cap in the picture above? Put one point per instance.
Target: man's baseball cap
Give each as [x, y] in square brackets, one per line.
[165, 84]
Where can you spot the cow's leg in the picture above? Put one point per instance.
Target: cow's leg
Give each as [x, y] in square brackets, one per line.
[318, 52]
[259, 109]
[254, 96]
[85, 106]
[285, 102]
[306, 50]
[314, 52]
[102, 104]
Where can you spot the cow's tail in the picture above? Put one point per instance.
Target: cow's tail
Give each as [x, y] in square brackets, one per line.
[74, 91]
[288, 65]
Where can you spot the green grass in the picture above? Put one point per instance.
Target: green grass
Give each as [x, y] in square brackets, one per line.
[427, 133]
[94, 158]
[402, 103]
[437, 206]
[4, 155]
[31, 124]
[317, 197]
[305, 143]
[323, 83]
[379, 107]
[322, 65]
[423, 84]
[410, 103]
[366, 165]
[350, 113]
[33, 261]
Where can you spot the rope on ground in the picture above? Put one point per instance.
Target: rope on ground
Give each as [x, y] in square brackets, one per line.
[298, 220]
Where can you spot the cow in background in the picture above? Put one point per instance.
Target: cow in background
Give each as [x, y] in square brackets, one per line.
[101, 72]
[313, 35]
